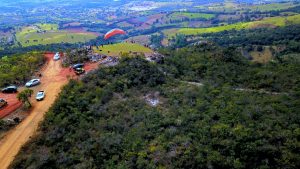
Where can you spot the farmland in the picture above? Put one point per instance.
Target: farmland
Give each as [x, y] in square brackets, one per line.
[47, 27]
[116, 49]
[266, 22]
[271, 7]
[231, 6]
[227, 6]
[42, 34]
[191, 15]
[190, 84]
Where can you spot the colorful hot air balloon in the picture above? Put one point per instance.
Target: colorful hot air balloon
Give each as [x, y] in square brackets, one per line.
[113, 32]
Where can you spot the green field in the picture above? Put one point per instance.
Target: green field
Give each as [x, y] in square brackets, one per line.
[226, 6]
[42, 34]
[271, 7]
[231, 6]
[267, 22]
[117, 49]
[47, 27]
[191, 15]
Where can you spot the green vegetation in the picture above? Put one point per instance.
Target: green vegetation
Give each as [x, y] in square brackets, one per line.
[282, 36]
[229, 98]
[104, 121]
[271, 7]
[118, 48]
[228, 6]
[192, 31]
[191, 15]
[231, 6]
[226, 66]
[24, 97]
[266, 22]
[47, 27]
[49, 34]
[76, 56]
[18, 68]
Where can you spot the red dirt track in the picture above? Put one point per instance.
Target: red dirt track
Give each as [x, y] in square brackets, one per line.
[63, 74]
[54, 77]
[13, 104]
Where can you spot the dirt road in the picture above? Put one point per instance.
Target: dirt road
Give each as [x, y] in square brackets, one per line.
[261, 91]
[54, 77]
[52, 83]
[13, 104]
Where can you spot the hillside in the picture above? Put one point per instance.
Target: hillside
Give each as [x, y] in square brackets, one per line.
[266, 22]
[150, 84]
[119, 48]
[43, 34]
[109, 120]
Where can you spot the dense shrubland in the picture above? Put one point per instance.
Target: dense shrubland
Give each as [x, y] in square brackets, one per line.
[287, 36]
[17, 69]
[219, 66]
[103, 121]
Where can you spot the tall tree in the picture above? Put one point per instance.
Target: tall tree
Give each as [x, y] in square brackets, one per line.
[24, 96]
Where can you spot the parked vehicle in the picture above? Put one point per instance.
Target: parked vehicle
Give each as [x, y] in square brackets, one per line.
[40, 95]
[3, 103]
[56, 56]
[78, 65]
[10, 89]
[79, 71]
[33, 82]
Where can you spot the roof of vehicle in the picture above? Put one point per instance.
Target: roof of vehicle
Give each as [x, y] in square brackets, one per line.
[33, 80]
[10, 87]
[1, 100]
[78, 65]
[40, 93]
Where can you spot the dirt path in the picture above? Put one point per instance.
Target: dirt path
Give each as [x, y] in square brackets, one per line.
[54, 77]
[261, 91]
[52, 83]
[13, 104]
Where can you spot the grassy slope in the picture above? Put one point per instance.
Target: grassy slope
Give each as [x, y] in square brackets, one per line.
[228, 6]
[273, 21]
[27, 36]
[48, 26]
[271, 7]
[116, 49]
[190, 15]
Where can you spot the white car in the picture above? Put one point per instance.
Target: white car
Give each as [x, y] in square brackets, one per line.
[33, 82]
[56, 56]
[40, 95]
